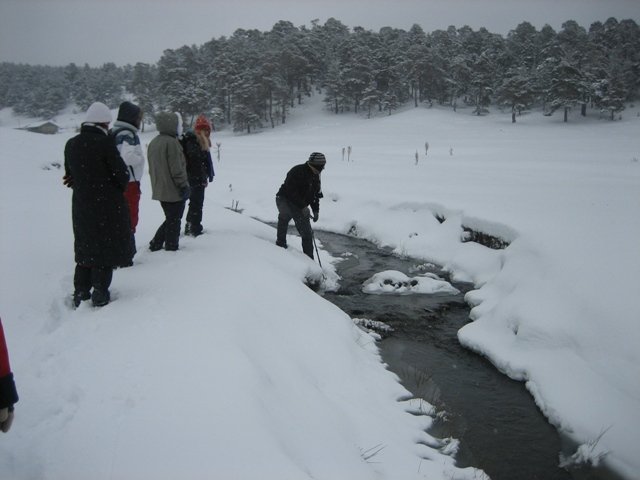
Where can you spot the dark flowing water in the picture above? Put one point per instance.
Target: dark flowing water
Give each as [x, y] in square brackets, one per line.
[496, 420]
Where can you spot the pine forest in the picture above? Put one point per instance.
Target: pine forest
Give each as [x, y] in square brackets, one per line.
[252, 79]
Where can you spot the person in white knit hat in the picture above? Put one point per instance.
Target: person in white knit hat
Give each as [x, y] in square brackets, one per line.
[101, 225]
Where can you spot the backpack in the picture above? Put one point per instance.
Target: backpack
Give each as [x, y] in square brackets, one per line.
[114, 133]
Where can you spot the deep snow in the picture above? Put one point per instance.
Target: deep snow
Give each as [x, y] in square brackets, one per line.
[217, 361]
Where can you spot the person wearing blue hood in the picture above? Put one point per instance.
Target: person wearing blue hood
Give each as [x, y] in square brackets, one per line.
[125, 132]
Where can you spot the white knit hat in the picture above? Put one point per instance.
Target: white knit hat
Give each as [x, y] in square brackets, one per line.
[98, 112]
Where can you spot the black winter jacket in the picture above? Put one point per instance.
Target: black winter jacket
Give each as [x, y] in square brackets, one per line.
[302, 187]
[100, 215]
[199, 164]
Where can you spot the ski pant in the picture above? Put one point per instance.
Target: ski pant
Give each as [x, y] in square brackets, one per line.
[194, 214]
[132, 196]
[300, 216]
[87, 277]
[168, 233]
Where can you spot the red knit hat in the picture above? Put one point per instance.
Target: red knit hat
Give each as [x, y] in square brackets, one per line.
[202, 123]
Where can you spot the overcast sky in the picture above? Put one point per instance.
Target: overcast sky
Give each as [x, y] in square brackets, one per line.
[58, 32]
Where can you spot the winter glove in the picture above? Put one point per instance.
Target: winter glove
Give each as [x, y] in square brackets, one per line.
[316, 215]
[6, 419]
[67, 181]
[185, 193]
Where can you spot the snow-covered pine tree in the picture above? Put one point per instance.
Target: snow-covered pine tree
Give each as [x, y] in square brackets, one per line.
[143, 87]
[573, 41]
[517, 91]
[567, 88]
[333, 87]
[182, 82]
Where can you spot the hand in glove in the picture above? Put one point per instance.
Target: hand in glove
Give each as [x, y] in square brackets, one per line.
[316, 215]
[185, 193]
[6, 419]
[67, 181]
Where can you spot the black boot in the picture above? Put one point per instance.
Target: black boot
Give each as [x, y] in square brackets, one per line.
[101, 279]
[79, 297]
[100, 297]
[187, 228]
[154, 247]
[196, 229]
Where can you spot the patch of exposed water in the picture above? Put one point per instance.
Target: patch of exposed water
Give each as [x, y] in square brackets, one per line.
[500, 428]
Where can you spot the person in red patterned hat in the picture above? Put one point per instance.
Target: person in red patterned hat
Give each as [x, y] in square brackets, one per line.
[8, 393]
[196, 145]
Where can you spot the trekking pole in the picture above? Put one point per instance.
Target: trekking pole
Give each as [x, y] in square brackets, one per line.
[313, 237]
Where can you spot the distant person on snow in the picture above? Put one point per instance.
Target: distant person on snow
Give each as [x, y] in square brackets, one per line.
[125, 131]
[8, 392]
[101, 225]
[301, 189]
[196, 146]
[169, 182]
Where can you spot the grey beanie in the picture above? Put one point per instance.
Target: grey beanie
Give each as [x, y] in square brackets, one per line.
[317, 159]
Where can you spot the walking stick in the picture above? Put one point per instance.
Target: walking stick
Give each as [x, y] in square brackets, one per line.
[313, 237]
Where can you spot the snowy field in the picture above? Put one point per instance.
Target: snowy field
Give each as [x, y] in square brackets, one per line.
[218, 362]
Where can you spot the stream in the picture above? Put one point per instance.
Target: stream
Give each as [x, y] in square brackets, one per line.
[500, 428]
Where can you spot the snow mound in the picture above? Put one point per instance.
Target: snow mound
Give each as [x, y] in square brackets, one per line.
[394, 282]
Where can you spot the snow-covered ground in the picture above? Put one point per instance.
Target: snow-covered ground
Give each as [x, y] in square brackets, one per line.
[218, 362]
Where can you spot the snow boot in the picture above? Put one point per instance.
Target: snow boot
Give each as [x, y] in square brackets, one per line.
[100, 297]
[154, 247]
[196, 229]
[187, 228]
[79, 297]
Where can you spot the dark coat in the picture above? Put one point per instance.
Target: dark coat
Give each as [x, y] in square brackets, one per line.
[302, 187]
[199, 164]
[100, 215]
